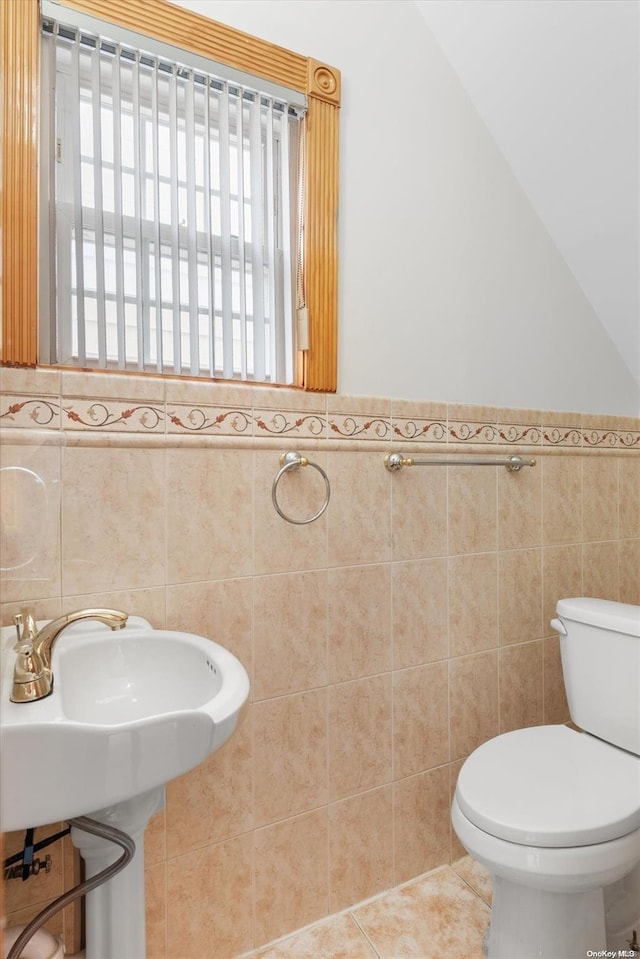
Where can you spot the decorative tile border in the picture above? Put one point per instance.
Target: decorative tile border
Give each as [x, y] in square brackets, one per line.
[359, 427]
[28, 412]
[473, 433]
[212, 420]
[113, 416]
[290, 423]
[562, 436]
[359, 418]
[414, 430]
[514, 433]
[331, 419]
[600, 438]
[629, 439]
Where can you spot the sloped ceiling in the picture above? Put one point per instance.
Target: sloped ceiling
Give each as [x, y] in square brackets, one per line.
[557, 84]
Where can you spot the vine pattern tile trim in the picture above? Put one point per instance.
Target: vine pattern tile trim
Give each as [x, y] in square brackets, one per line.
[29, 412]
[212, 420]
[113, 416]
[131, 416]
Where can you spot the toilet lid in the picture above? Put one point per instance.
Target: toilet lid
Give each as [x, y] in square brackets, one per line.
[551, 786]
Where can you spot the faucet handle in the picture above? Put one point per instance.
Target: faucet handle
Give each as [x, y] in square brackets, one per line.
[31, 676]
[26, 629]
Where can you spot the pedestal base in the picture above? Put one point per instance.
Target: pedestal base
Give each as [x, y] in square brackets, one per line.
[115, 911]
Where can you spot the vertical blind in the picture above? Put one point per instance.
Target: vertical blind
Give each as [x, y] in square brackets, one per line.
[173, 214]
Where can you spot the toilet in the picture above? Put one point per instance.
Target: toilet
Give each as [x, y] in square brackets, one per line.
[554, 813]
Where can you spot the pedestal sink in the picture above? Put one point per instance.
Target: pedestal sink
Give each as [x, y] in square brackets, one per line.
[128, 712]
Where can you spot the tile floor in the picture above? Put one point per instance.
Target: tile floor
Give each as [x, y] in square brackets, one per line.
[444, 913]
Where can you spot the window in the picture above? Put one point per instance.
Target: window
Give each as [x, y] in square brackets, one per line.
[182, 188]
[185, 153]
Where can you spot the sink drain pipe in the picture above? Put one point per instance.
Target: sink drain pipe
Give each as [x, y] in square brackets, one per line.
[103, 831]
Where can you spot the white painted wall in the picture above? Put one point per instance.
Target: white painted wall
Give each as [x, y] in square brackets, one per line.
[567, 122]
[450, 285]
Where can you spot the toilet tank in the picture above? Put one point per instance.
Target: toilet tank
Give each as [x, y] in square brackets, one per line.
[600, 649]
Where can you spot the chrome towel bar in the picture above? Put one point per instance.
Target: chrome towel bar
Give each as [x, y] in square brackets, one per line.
[395, 461]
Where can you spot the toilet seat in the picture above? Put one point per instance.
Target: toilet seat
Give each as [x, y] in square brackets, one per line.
[550, 786]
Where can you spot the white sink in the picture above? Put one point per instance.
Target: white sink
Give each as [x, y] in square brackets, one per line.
[129, 711]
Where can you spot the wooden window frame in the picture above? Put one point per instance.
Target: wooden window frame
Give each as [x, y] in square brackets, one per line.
[316, 368]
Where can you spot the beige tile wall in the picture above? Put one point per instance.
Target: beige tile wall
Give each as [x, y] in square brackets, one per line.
[384, 641]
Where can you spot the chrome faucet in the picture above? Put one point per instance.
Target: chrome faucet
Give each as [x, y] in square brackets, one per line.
[32, 675]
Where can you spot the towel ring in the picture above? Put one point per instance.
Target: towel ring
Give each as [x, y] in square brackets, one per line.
[293, 461]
